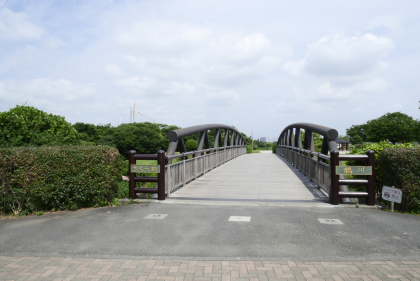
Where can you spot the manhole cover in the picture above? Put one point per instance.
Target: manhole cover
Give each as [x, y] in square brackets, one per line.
[155, 216]
[330, 221]
[237, 218]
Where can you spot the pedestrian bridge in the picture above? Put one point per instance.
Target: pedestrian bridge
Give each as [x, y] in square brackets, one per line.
[263, 177]
[294, 173]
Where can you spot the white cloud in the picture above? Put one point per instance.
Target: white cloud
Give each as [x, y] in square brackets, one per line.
[328, 96]
[391, 21]
[17, 26]
[222, 97]
[45, 91]
[196, 54]
[112, 69]
[340, 56]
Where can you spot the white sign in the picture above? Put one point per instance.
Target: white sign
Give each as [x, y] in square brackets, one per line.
[391, 194]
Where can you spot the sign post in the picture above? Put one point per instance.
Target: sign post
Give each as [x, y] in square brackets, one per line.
[391, 194]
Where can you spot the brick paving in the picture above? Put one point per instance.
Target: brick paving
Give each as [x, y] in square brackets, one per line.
[66, 269]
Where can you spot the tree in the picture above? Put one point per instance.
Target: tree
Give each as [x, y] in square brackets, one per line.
[107, 140]
[357, 130]
[28, 126]
[343, 137]
[356, 140]
[191, 145]
[395, 127]
[87, 132]
[144, 138]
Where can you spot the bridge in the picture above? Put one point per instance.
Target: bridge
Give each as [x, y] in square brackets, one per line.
[225, 172]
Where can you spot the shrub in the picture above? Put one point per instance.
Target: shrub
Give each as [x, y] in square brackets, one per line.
[28, 126]
[400, 167]
[273, 147]
[248, 148]
[379, 170]
[59, 177]
[191, 145]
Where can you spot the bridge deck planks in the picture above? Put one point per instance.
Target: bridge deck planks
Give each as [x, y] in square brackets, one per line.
[257, 176]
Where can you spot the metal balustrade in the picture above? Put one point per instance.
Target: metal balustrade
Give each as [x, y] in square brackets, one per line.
[309, 163]
[174, 175]
[315, 166]
[180, 173]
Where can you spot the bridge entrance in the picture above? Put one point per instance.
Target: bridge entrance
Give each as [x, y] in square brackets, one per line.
[284, 176]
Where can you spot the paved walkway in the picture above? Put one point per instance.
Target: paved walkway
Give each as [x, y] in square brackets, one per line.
[257, 176]
[66, 269]
[173, 240]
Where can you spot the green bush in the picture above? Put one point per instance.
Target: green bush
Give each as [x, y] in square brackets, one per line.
[191, 145]
[400, 167]
[377, 148]
[248, 148]
[58, 177]
[273, 147]
[28, 126]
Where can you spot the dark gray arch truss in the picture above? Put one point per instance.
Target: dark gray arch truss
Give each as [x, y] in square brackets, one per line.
[291, 136]
[176, 138]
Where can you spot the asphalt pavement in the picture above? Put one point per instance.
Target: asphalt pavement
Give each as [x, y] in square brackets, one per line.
[205, 232]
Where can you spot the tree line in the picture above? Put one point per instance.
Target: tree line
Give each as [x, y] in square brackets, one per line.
[394, 127]
[29, 126]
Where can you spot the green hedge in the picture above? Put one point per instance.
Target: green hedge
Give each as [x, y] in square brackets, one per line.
[377, 148]
[58, 177]
[400, 167]
[248, 148]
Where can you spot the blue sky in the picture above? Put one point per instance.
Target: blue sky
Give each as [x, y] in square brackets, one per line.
[257, 65]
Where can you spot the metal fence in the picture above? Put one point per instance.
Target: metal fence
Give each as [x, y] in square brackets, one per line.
[311, 163]
[180, 173]
[315, 166]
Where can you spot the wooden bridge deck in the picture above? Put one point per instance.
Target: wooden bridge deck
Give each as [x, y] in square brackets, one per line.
[253, 177]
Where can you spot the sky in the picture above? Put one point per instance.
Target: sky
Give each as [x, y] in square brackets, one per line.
[256, 65]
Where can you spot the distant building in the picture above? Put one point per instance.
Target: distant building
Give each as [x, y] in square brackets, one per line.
[268, 139]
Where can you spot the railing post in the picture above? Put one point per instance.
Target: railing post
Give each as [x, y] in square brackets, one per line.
[211, 165]
[371, 179]
[183, 164]
[161, 175]
[299, 161]
[169, 180]
[318, 175]
[131, 183]
[195, 166]
[204, 162]
[334, 162]
[309, 165]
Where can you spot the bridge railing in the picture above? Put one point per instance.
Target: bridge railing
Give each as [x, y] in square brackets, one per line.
[172, 176]
[180, 173]
[309, 163]
[322, 168]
